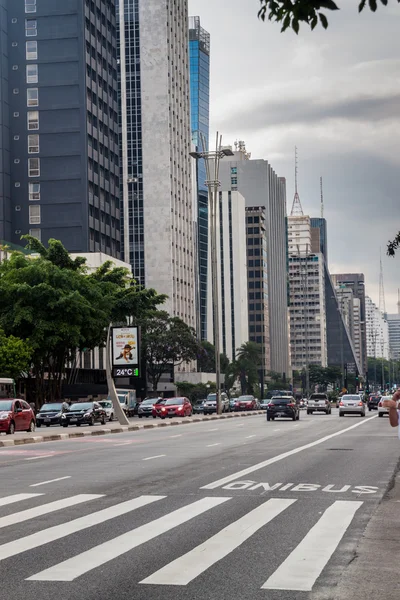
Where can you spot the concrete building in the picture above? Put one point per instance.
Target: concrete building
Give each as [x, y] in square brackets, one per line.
[299, 235]
[394, 335]
[319, 236]
[350, 307]
[232, 273]
[59, 173]
[258, 183]
[377, 330]
[199, 57]
[156, 175]
[257, 282]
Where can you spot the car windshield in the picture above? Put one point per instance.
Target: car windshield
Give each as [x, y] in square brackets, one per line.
[5, 405]
[105, 404]
[50, 407]
[82, 406]
[150, 401]
[174, 401]
[281, 400]
[212, 397]
[122, 398]
[318, 397]
[245, 398]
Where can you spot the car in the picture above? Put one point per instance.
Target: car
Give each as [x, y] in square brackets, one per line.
[264, 404]
[303, 403]
[381, 409]
[51, 413]
[232, 403]
[173, 407]
[245, 403]
[16, 415]
[145, 408]
[283, 406]
[351, 404]
[109, 408]
[84, 413]
[210, 405]
[319, 402]
[373, 402]
[198, 408]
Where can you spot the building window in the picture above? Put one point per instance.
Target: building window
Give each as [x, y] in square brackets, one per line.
[31, 50]
[32, 96]
[33, 143]
[233, 170]
[30, 6]
[233, 180]
[34, 214]
[36, 233]
[32, 73]
[30, 27]
[33, 167]
[33, 120]
[34, 191]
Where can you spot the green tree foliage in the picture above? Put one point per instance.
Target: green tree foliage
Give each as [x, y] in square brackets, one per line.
[15, 356]
[60, 307]
[324, 376]
[195, 391]
[245, 367]
[290, 13]
[166, 342]
[206, 359]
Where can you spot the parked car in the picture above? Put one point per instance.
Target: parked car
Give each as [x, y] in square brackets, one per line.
[51, 413]
[145, 408]
[84, 413]
[264, 404]
[283, 406]
[319, 403]
[351, 404]
[245, 403]
[16, 415]
[109, 408]
[210, 405]
[381, 409]
[198, 408]
[179, 407]
[232, 403]
[373, 402]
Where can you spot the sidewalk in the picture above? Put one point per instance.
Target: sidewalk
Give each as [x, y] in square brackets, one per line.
[136, 425]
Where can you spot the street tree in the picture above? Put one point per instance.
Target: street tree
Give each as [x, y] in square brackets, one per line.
[15, 356]
[248, 361]
[206, 359]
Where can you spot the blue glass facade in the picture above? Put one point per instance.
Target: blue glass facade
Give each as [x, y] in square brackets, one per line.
[321, 224]
[199, 54]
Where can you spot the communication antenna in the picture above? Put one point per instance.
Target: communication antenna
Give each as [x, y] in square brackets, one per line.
[322, 199]
[297, 209]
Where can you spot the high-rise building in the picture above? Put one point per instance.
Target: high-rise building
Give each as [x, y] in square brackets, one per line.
[156, 169]
[232, 274]
[258, 183]
[394, 335]
[257, 282]
[299, 234]
[59, 122]
[319, 232]
[350, 307]
[199, 57]
[377, 331]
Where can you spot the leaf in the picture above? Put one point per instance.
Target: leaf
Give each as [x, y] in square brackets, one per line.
[329, 4]
[324, 20]
[314, 22]
[295, 26]
[373, 5]
[385, 2]
[361, 6]
[286, 22]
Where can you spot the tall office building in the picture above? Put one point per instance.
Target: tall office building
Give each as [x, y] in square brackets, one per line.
[350, 308]
[377, 331]
[199, 59]
[156, 169]
[258, 183]
[299, 234]
[59, 122]
[394, 334]
[320, 235]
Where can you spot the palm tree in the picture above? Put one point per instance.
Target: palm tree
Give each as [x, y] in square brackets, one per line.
[248, 360]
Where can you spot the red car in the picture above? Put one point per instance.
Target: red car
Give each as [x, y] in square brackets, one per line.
[16, 415]
[173, 407]
[245, 403]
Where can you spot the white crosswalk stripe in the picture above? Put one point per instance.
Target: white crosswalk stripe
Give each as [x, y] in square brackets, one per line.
[17, 498]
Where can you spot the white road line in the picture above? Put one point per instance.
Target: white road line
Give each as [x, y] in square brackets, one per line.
[45, 509]
[35, 540]
[153, 457]
[239, 425]
[216, 429]
[250, 436]
[189, 566]
[304, 565]
[176, 436]
[211, 445]
[50, 481]
[17, 498]
[276, 430]
[123, 444]
[37, 457]
[271, 461]
[100, 555]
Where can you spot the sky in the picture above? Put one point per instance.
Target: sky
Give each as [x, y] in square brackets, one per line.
[334, 94]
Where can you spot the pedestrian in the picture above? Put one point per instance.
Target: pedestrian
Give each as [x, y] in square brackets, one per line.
[394, 411]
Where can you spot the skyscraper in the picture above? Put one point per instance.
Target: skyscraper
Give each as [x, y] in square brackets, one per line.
[156, 169]
[59, 121]
[319, 224]
[199, 55]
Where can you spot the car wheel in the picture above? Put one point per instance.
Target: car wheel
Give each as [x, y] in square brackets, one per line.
[298, 417]
[341, 414]
[112, 417]
[154, 417]
[38, 424]
[294, 418]
[65, 424]
[363, 414]
[140, 416]
[309, 412]
[380, 415]
[268, 418]
[11, 428]
[32, 427]
[103, 421]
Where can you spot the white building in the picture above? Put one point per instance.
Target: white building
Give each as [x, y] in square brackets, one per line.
[232, 273]
[299, 234]
[377, 330]
[350, 308]
[394, 336]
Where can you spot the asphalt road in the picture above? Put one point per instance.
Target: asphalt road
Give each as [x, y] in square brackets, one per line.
[220, 510]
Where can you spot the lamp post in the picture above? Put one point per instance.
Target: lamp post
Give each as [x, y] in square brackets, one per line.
[211, 160]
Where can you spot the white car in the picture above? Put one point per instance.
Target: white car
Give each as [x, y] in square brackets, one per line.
[108, 407]
[381, 409]
[351, 404]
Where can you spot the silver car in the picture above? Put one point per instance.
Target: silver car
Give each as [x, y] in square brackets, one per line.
[351, 404]
[108, 407]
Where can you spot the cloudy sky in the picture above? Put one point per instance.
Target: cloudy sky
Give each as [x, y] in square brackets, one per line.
[336, 95]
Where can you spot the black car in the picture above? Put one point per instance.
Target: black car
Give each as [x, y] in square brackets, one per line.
[84, 413]
[283, 406]
[51, 413]
[373, 402]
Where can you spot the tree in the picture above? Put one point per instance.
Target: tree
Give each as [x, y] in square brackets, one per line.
[15, 356]
[206, 359]
[195, 391]
[394, 245]
[248, 360]
[166, 342]
[290, 13]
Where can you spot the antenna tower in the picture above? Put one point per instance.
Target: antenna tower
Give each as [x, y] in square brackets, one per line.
[382, 303]
[322, 199]
[297, 209]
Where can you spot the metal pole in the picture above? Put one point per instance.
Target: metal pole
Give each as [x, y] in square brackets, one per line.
[112, 392]
[341, 347]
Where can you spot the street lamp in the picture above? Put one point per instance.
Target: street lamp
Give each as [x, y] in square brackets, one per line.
[211, 160]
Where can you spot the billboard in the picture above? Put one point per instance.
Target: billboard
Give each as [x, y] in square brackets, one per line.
[125, 351]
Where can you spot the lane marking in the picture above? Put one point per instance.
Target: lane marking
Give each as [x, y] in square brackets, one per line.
[122, 444]
[50, 481]
[37, 457]
[250, 436]
[271, 461]
[17, 498]
[305, 564]
[153, 457]
[190, 565]
[216, 429]
[35, 540]
[99, 555]
[45, 509]
[276, 430]
[212, 445]
[176, 436]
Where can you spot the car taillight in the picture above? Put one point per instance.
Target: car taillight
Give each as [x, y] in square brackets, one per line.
[360, 404]
[380, 404]
[341, 404]
[291, 404]
[271, 405]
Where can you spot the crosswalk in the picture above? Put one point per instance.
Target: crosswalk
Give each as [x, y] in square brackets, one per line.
[299, 571]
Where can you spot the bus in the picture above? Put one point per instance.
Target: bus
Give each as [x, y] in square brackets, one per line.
[7, 388]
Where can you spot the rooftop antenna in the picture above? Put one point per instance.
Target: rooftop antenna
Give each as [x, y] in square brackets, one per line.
[322, 199]
[297, 209]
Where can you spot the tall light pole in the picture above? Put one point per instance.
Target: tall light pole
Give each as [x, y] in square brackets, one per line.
[211, 160]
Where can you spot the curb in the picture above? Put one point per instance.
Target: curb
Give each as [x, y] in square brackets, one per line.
[56, 437]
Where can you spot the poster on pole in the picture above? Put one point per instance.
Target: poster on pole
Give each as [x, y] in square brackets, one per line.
[126, 351]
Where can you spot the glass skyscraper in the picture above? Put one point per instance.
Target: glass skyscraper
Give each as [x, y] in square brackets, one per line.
[199, 55]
